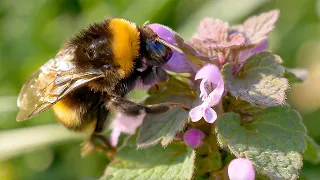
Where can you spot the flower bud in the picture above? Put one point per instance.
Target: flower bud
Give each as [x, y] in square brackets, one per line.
[193, 138]
[241, 169]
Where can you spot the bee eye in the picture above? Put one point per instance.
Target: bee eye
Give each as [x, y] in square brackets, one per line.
[159, 46]
[155, 47]
[158, 51]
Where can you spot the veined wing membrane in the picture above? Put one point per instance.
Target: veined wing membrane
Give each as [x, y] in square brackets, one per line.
[51, 82]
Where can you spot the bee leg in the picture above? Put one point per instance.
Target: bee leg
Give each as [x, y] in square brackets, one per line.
[132, 108]
[154, 74]
[97, 141]
[102, 119]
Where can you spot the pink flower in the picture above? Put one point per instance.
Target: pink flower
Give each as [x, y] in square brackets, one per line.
[178, 62]
[124, 124]
[193, 138]
[241, 169]
[211, 91]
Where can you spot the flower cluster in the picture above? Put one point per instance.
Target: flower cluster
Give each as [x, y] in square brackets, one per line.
[212, 40]
[215, 46]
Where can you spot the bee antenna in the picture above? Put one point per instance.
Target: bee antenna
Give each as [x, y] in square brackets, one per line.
[146, 23]
[169, 45]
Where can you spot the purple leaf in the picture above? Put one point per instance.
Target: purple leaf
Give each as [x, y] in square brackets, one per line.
[191, 52]
[244, 55]
[236, 40]
[212, 30]
[256, 28]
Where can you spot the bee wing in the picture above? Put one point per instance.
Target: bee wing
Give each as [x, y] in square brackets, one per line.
[51, 82]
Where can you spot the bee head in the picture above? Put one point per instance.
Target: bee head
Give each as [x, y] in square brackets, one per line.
[153, 48]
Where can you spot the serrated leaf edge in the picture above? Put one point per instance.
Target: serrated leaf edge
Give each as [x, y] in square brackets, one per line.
[160, 139]
[245, 156]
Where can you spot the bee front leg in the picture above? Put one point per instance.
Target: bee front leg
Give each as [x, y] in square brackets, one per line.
[133, 108]
[154, 74]
[97, 141]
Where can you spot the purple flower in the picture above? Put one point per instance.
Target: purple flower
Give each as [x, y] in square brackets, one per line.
[211, 91]
[178, 62]
[124, 124]
[241, 169]
[244, 55]
[193, 138]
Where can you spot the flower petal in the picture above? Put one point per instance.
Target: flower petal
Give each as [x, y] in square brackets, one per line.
[241, 169]
[209, 115]
[215, 96]
[178, 62]
[203, 90]
[124, 124]
[128, 124]
[164, 32]
[114, 137]
[209, 72]
[211, 86]
[196, 113]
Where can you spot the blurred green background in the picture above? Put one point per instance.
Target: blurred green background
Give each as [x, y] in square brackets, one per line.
[31, 32]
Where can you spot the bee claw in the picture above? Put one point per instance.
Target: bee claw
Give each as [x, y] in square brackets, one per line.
[98, 143]
[87, 148]
[157, 87]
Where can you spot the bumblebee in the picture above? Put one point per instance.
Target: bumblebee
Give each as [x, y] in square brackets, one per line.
[92, 74]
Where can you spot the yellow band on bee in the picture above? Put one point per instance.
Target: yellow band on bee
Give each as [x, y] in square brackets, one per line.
[125, 44]
[66, 115]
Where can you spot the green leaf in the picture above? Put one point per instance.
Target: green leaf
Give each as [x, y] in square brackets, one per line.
[296, 75]
[312, 152]
[273, 141]
[163, 127]
[209, 159]
[239, 106]
[261, 80]
[176, 161]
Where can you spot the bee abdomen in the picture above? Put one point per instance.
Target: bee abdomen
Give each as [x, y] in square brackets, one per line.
[78, 111]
